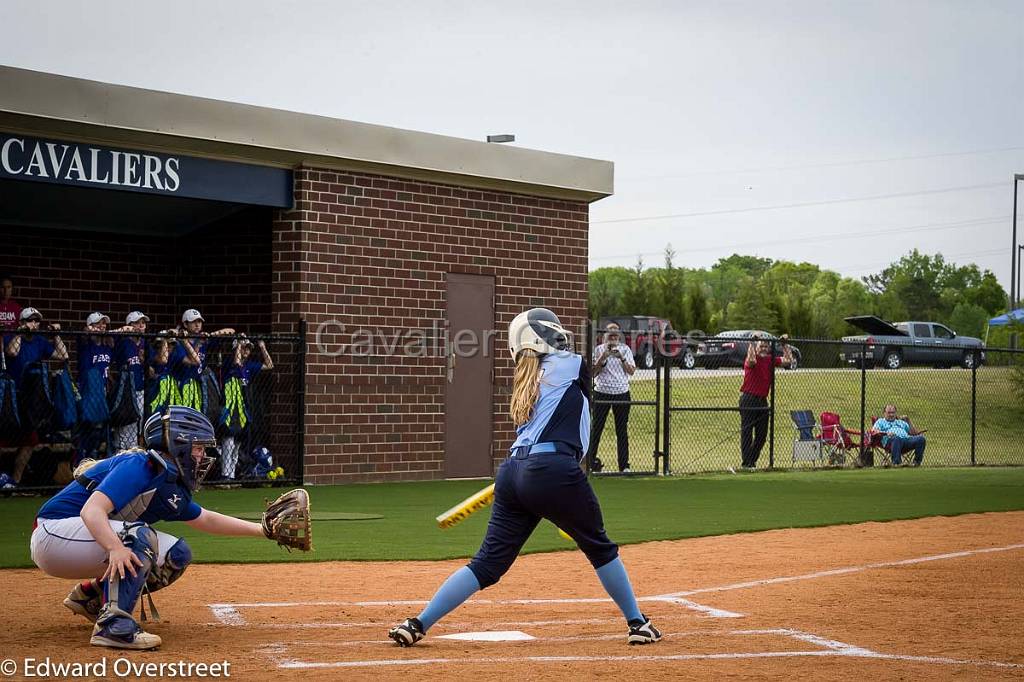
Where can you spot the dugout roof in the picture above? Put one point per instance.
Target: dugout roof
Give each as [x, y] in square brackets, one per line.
[40, 104]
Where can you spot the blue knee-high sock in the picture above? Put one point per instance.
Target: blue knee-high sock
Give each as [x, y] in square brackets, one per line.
[616, 584]
[458, 588]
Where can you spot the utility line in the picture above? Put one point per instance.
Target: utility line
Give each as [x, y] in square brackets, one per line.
[823, 164]
[814, 239]
[823, 202]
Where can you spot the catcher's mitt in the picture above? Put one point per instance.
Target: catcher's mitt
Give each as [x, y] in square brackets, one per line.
[287, 521]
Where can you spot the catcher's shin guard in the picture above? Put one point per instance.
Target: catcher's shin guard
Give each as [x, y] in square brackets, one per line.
[407, 633]
[122, 593]
[117, 629]
[177, 559]
[643, 632]
[85, 600]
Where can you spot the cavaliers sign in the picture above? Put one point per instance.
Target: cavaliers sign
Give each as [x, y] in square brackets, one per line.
[86, 165]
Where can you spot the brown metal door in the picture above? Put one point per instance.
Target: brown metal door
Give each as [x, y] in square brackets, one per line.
[469, 394]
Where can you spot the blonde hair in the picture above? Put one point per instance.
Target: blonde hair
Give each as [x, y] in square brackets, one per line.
[84, 466]
[525, 386]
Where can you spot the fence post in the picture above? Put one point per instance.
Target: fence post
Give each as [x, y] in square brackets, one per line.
[666, 422]
[588, 360]
[663, 362]
[863, 397]
[974, 404]
[300, 426]
[771, 415]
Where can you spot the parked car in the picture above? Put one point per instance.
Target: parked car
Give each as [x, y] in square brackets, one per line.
[894, 345]
[648, 337]
[729, 349]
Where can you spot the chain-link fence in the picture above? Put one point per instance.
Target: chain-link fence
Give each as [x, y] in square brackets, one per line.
[70, 395]
[957, 406]
[625, 409]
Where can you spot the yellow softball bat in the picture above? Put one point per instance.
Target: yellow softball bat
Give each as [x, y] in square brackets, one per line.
[462, 510]
[564, 535]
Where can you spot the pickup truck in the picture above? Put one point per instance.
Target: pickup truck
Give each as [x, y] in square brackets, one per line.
[648, 337]
[893, 345]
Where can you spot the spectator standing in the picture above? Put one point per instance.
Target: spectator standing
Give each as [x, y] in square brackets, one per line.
[23, 349]
[95, 353]
[235, 420]
[613, 366]
[10, 311]
[128, 355]
[757, 384]
[161, 386]
[188, 359]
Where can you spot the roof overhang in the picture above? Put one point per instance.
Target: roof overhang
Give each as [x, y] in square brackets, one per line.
[43, 104]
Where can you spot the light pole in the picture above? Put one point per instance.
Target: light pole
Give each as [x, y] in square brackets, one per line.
[1014, 277]
[1020, 257]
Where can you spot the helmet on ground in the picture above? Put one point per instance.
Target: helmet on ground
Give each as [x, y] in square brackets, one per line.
[539, 330]
[174, 431]
[263, 462]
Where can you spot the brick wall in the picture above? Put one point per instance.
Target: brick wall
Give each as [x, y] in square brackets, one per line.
[222, 269]
[372, 251]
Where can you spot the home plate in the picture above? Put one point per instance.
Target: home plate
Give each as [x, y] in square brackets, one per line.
[498, 636]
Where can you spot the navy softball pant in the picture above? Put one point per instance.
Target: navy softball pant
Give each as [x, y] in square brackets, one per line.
[538, 486]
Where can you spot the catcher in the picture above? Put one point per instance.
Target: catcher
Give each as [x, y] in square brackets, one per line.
[100, 525]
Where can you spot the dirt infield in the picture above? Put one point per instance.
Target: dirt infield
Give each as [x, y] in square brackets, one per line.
[934, 598]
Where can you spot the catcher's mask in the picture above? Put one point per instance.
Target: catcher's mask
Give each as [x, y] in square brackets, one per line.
[176, 431]
[540, 330]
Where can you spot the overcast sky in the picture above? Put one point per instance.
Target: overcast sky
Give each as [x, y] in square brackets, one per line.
[894, 124]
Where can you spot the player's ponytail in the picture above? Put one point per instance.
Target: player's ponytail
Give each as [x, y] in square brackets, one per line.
[84, 466]
[525, 386]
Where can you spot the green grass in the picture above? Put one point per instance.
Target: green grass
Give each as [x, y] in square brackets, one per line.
[936, 400]
[635, 510]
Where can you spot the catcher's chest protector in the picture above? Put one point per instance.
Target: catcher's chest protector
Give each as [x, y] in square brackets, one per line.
[165, 499]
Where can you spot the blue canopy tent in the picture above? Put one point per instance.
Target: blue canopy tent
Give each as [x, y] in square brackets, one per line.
[1012, 317]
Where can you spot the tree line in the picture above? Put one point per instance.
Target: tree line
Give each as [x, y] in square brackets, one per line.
[802, 299]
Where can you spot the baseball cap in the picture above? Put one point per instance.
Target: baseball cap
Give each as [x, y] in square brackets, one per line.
[135, 316]
[29, 313]
[191, 315]
[96, 318]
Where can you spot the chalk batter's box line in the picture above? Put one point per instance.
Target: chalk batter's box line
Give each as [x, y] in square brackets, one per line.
[827, 647]
[228, 613]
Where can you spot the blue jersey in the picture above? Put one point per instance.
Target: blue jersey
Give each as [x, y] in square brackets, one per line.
[183, 372]
[143, 485]
[245, 372]
[128, 355]
[92, 356]
[32, 350]
[160, 369]
[562, 411]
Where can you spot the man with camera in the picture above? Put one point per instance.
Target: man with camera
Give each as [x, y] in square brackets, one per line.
[613, 365]
[757, 384]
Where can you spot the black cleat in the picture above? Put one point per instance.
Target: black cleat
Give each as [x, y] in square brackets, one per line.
[643, 632]
[407, 633]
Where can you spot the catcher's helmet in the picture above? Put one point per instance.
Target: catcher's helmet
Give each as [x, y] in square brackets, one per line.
[175, 431]
[540, 330]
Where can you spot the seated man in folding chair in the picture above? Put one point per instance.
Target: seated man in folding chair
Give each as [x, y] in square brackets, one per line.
[898, 435]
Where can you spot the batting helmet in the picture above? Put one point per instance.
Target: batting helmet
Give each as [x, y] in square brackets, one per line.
[540, 330]
[175, 431]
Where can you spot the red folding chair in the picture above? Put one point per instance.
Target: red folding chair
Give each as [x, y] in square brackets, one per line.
[838, 443]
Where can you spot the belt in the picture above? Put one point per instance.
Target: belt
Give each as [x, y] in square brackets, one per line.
[542, 448]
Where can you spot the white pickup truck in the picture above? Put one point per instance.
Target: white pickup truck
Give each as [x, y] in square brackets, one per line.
[893, 345]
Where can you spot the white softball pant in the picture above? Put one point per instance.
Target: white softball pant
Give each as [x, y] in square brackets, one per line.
[64, 548]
